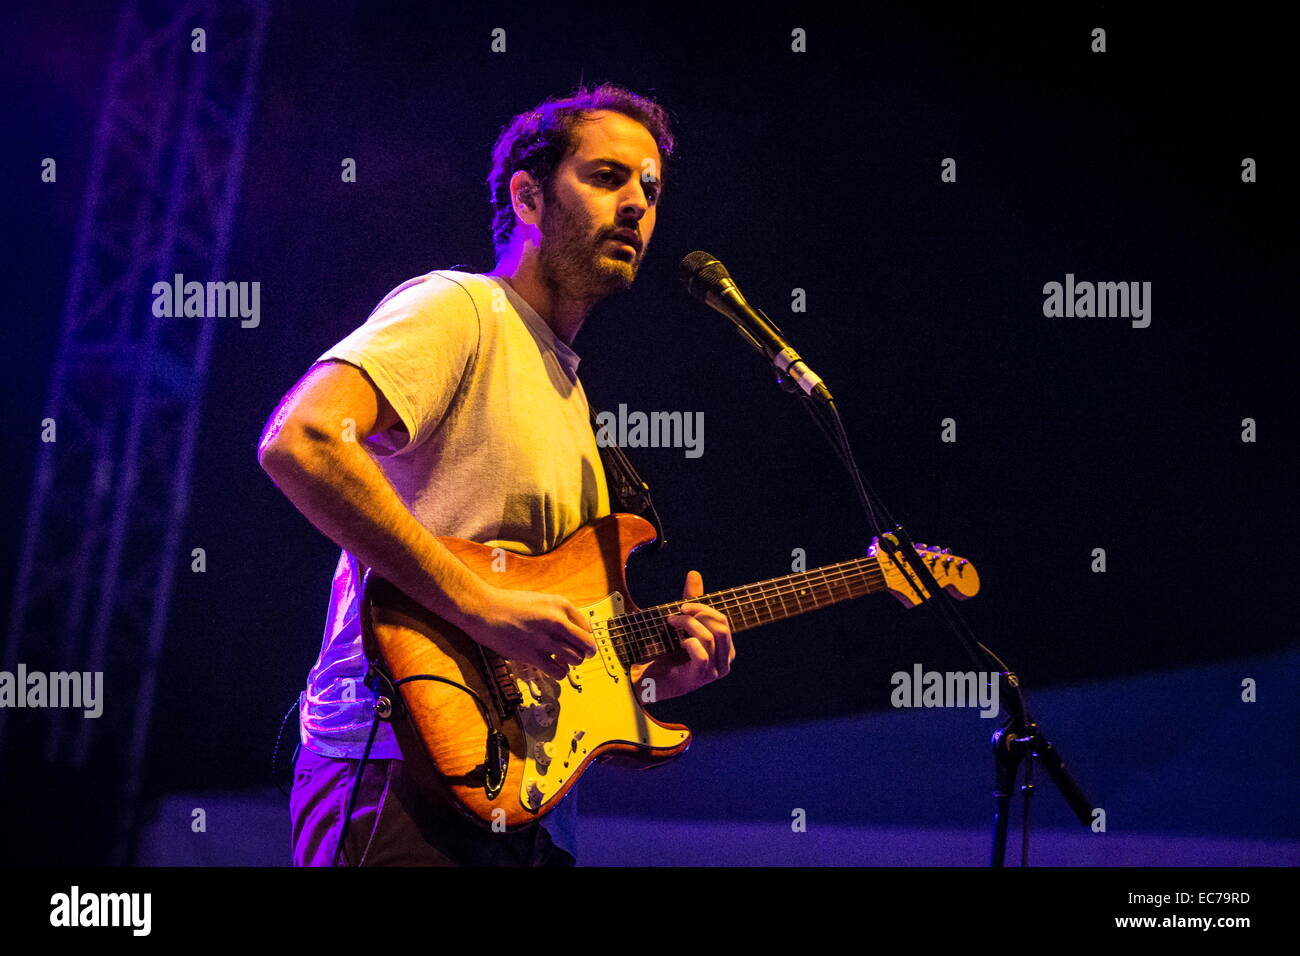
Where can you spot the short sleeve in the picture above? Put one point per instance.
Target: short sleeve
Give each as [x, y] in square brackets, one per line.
[417, 346]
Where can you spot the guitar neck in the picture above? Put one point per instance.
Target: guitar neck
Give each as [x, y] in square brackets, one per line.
[646, 634]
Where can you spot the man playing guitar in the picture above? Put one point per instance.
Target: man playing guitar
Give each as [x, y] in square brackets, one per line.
[456, 410]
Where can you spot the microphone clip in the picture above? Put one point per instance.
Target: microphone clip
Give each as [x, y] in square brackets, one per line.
[792, 373]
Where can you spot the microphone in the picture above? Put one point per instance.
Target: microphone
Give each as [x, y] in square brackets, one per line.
[708, 280]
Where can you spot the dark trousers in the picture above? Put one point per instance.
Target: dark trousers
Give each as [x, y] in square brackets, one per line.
[394, 825]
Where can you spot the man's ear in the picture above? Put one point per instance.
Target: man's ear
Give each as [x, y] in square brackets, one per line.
[527, 195]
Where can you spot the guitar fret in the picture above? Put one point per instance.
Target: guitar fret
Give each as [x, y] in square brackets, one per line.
[839, 581]
[760, 609]
[645, 634]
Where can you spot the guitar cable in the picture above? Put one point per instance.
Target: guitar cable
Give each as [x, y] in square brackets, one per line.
[386, 707]
[275, 751]
[494, 758]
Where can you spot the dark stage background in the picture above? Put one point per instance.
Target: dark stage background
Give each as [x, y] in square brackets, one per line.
[818, 171]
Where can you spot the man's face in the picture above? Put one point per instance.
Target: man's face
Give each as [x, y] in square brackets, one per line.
[596, 193]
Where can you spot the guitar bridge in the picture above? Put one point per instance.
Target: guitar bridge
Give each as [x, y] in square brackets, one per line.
[504, 692]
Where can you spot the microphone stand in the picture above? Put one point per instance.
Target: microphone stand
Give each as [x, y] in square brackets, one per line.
[1020, 738]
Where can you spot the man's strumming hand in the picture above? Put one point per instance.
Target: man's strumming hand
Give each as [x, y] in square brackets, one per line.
[545, 630]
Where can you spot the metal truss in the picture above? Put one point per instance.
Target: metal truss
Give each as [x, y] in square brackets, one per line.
[102, 545]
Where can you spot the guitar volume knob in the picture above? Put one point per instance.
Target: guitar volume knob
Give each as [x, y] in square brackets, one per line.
[536, 793]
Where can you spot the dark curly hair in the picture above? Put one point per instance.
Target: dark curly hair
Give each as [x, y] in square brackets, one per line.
[537, 140]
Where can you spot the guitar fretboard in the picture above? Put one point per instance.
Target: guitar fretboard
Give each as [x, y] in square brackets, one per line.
[646, 633]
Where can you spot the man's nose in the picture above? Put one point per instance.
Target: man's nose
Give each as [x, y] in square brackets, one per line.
[634, 202]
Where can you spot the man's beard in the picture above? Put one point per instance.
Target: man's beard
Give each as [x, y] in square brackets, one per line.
[575, 263]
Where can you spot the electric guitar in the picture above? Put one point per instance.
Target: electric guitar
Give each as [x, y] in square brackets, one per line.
[505, 742]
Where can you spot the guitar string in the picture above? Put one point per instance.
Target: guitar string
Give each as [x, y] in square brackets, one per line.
[750, 605]
[649, 634]
[850, 571]
[777, 588]
[768, 592]
[645, 628]
[648, 626]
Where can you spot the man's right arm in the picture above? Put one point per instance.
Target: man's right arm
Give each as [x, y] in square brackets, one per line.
[340, 489]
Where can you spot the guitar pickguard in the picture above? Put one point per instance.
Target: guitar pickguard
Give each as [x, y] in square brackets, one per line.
[564, 721]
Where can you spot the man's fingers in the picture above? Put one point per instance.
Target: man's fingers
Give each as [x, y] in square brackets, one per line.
[699, 656]
[723, 651]
[577, 631]
[700, 636]
[576, 616]
[694, 585]
[552, 668]
[566, 655]
[570, 639]
[705, 613]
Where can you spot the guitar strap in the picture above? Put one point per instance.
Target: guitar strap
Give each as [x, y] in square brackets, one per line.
[627, 491]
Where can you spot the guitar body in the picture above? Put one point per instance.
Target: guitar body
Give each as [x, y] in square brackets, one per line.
[553, 730]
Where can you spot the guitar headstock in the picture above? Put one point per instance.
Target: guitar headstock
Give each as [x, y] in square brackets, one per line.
[954, 574]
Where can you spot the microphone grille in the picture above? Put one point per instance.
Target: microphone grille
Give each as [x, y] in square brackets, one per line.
[701, 272]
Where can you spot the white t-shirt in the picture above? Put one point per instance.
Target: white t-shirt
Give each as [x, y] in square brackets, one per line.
[495, 445]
